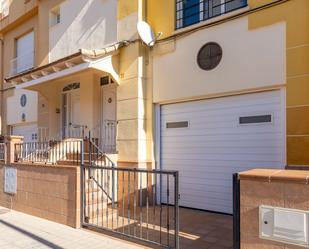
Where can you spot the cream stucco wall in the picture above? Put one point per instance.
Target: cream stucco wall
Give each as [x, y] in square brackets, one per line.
[89, 24]
[9, 45]
[15, 110]
[51, 92]
[251, 59]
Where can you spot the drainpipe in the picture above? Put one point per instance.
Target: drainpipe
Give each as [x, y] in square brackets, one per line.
[1, 88]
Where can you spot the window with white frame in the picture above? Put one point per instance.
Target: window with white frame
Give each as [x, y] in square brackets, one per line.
[24, 59]
[189, 12]
[54, 16]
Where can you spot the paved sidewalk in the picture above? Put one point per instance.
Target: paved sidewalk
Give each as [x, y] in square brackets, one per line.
[18, 230]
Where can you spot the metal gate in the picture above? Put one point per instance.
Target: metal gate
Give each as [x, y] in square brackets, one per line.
[138, 203]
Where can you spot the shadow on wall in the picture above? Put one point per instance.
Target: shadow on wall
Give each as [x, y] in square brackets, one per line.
[83, 24]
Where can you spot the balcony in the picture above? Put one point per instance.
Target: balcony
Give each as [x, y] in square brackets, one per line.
[189, 12]
[22, 63]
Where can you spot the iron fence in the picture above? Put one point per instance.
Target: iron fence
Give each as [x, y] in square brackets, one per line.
[236, 211]
[194, 11]
[105, 135]
[94, 156]
[49, 152]
[138, 203]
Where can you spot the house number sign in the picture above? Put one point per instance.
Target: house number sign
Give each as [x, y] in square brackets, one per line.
[10, 180]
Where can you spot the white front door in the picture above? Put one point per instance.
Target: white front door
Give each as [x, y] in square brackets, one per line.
[71, 114]
[108, 121]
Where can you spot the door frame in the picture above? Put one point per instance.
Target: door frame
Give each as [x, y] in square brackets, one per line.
[62, 118]
[102, 131]
[102, 89]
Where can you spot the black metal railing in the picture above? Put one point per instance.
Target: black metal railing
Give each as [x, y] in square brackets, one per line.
[104, 133]
[49, 152]
[95, 156]
[189, 12]
[137, 203]
[236, 211]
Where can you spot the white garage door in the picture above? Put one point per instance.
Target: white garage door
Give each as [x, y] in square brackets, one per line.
[209, 140]
[29, 132]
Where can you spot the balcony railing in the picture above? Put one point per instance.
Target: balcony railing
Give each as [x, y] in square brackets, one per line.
[189, 12]
[22, 63]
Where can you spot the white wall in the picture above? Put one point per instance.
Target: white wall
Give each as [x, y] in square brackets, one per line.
[251, 59]
[15, 110]
[89, 24]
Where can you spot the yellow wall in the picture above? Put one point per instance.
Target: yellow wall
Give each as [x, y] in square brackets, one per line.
[126, 8]
[161, 16]
[295, 14]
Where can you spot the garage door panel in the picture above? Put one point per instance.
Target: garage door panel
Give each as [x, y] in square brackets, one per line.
[263, 130]
[227, 157]
[231, 137]
[205, 147]
[223, 120]
[235, 102]
[223, 116]
[217, 166]
[173, 162]
[215, 145]
[275, 150]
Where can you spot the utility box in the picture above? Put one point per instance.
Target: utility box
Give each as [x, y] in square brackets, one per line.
[10, 180]
[284, 225]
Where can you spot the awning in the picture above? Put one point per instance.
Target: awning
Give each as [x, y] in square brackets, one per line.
[103, 59]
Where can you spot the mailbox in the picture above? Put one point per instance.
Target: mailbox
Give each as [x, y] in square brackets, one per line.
[284, 225]
[10, 180]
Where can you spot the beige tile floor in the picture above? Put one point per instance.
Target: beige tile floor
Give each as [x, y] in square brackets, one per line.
[203, 230]
[198, 230]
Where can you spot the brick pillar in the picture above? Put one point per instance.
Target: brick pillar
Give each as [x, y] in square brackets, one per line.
[10, 143]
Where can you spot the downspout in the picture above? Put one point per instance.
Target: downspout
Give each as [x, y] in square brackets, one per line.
[2, 87]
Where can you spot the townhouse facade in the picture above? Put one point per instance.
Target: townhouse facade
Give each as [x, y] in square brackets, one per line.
[224, 89]
[62, 64]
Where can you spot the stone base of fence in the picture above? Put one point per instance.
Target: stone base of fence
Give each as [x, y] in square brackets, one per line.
[276, 188]
[49, 192]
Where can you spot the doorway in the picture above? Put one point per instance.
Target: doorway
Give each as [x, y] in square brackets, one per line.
[108, 118]
[71, 112]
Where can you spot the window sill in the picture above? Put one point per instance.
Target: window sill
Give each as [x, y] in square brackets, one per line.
[212, 20]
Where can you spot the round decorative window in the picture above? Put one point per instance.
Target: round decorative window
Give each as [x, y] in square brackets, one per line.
[209, 56]
[23, 100]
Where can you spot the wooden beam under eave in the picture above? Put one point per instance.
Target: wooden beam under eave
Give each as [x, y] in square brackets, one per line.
[44, 72]
[25, 79]
[69, 64]
[56, 69]
[34, 76]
